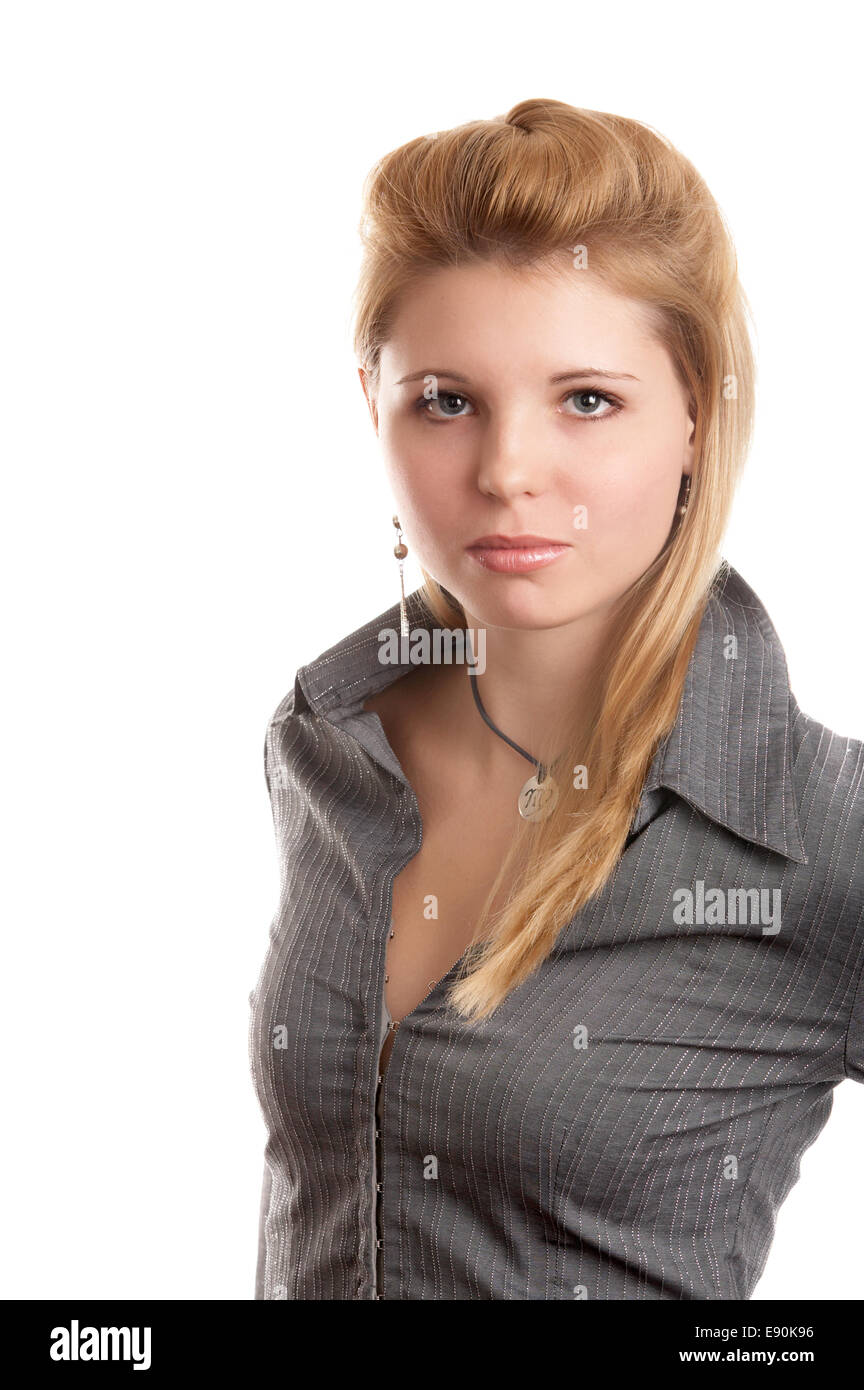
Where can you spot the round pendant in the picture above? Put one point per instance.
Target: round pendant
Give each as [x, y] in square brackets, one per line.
[537, 800]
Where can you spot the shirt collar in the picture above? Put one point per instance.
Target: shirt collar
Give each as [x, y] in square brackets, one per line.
[729, 752]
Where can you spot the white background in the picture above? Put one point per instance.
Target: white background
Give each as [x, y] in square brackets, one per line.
[194, 505]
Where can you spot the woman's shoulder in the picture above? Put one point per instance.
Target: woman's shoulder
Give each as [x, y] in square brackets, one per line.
[827, 771]
[827, 766]
[357, 666]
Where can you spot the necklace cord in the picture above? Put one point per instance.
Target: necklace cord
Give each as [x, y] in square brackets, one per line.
[479, 703]
[542, 769]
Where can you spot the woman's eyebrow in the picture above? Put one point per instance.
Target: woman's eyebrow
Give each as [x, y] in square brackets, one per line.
[577, 373]
[431, 371]
[592, 371]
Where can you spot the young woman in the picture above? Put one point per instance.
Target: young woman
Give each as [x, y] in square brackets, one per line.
[568, 955]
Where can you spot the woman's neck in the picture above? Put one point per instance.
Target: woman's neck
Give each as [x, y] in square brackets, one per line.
[532, 683]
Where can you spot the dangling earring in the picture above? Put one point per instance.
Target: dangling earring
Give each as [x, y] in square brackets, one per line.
[685, 502]
[400, 551]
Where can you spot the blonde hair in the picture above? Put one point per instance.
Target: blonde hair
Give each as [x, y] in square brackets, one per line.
[544, 178]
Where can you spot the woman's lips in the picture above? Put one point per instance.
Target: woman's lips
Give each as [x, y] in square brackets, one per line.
[516, 554]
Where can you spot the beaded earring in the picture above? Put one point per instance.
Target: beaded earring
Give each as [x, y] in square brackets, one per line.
[400, 550]
[685, 502]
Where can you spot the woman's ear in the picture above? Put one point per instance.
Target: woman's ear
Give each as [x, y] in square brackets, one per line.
[690, 447]
[370, 397]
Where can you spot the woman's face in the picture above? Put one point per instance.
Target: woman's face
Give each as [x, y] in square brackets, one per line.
[517, 403]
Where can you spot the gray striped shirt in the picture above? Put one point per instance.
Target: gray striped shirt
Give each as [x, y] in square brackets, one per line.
[627, 1123]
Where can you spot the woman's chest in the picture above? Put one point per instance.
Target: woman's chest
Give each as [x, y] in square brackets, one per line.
[645, 994]
[658, 1035]
[438, 899]
[612, 1078]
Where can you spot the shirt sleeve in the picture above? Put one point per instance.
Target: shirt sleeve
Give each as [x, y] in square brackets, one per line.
[267, 762]
[854, 1062]
[274, 772]
[262, 1217]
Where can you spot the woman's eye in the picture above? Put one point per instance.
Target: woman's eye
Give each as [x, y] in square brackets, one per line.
[590, 400]
[446, 400]
[450, 405]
